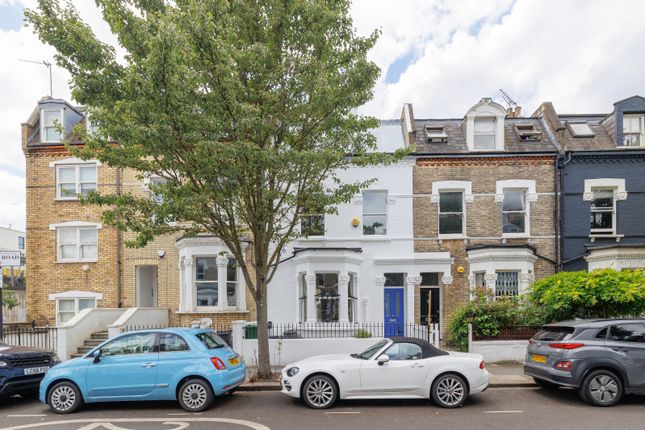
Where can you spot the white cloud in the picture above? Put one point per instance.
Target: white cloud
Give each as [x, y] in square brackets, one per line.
[581, 55]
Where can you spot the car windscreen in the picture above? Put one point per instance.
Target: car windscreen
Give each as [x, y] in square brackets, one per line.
[553, 333]
[369, 352]
[211, 340]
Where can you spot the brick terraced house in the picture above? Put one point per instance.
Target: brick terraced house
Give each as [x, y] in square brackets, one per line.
[484, 192]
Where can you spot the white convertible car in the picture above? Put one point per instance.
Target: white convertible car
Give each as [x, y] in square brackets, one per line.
[396, 368]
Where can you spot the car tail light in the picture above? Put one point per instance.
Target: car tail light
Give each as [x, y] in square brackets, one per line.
[482, 365]
[530, 341]
[564, 365]
[566, 345]
[219, 364]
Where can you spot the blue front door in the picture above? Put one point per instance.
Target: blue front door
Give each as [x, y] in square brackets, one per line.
[393, 306]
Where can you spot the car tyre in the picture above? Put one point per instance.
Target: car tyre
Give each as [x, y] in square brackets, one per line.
[195, 395]
[449, 391]
[545, 384]
[64, 398]
[601, 388]
[320, 392]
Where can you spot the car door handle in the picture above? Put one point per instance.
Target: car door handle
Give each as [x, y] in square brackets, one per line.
[418, 365]
[149, 365]
[621, 349]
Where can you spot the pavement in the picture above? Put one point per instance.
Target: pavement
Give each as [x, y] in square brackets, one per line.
[522, 408]
[502, 375]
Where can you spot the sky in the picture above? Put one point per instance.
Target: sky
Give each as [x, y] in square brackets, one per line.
[440, 55]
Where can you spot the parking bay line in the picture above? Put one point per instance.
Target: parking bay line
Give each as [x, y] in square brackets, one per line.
[26, 415]
[503, 412]
[342, 412]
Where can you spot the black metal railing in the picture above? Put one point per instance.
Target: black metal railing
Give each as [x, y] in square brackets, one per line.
[35, 337]
[344, 330]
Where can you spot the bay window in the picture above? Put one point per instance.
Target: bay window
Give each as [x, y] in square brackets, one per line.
[507, 284]
[327, 297]
[206, 281]
[231, 283]
[352, 298]
[302, 297]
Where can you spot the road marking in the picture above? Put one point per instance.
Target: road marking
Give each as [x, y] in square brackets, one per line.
[90, 422]
[342, 412]
[503, 412]
[26, 415]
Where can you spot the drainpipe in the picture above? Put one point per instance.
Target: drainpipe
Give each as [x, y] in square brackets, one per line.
[556, 212]
[118, 245]
[567, 160]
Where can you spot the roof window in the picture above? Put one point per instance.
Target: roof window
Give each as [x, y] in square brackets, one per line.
[528, 132]
[580, 129]
[436, 134]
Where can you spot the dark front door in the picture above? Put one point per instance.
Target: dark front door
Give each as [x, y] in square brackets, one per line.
[430, 306]
[393, 305]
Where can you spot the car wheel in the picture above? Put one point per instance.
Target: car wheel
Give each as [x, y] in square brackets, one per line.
[64, 398]
[320, 392]
[195, 395]
[601, 388]
[449, 391]
[545, 384]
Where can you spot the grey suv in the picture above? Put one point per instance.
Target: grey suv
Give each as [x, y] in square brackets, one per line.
[602, 359]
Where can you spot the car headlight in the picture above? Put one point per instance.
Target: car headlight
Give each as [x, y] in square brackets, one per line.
[292, 371]
[55, 359]
[3, 363]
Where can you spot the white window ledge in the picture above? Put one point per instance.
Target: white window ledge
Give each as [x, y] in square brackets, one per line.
[76, 295]
[76, 261]
[452, 237]
[72, 224]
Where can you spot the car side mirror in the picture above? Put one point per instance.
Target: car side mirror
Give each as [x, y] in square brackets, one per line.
[97, 356]
[383, 359]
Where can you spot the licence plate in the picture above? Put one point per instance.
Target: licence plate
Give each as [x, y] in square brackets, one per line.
[234, 361]
[36, 370]
[538, 358]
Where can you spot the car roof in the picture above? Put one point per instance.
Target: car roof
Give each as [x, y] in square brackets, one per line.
[592, 323]
[175, 330]
[427, 349]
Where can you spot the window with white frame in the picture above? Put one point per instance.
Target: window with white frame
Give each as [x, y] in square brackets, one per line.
[206, 281]
[77, 243]
[633, 130]
[451, 213]
[514, 211]
[91, 126]
[302, 297]
[156, 181]
[507, 284]
[351, 298]
[231, 283]
[51, 119]
[374, 212]
[327, 297]
[75, 180]
[67, 308]
[603, 213]
[484, 133]
[480, 280]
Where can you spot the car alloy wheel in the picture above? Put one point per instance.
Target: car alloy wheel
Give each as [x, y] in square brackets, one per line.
[195, 395]
[320, 392]
[449, 391]
[602, 388]
[64, 398]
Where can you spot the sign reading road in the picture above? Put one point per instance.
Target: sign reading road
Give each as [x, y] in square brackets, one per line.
[9, 258]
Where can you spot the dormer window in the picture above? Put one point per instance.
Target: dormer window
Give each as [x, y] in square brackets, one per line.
[580, 129]
[50, 119]
[528, 132]
[633, 130]
[91, 126]
[484, 134]
[436, 134]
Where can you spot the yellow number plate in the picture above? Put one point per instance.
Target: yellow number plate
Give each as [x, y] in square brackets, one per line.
[538, 358]
[234, 361]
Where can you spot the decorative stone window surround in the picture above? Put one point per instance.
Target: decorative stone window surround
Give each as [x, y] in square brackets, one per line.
[531, 197]
[486, 108]
[492, 260]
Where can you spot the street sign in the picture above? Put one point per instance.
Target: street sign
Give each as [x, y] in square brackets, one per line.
[9, 258]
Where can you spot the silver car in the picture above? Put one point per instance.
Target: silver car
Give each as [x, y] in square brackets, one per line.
[602, 359]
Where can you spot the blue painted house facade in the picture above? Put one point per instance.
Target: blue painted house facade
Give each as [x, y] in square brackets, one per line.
[601, 187]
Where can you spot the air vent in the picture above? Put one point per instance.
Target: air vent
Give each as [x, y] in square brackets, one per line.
[436, 134]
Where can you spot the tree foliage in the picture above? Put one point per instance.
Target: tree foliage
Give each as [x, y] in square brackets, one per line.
[602, 293]
[244, 107]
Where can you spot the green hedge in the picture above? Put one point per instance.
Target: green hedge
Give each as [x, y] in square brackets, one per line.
[602, 293]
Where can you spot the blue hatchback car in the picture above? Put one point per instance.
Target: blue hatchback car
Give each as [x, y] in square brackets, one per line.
[187, 364]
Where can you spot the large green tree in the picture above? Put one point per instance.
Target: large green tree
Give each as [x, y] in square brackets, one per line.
[245, 107]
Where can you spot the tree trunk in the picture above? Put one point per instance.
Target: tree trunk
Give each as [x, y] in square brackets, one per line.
[264, 364]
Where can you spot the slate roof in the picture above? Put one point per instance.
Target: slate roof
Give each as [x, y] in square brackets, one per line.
[456, 131]
[597, 122]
